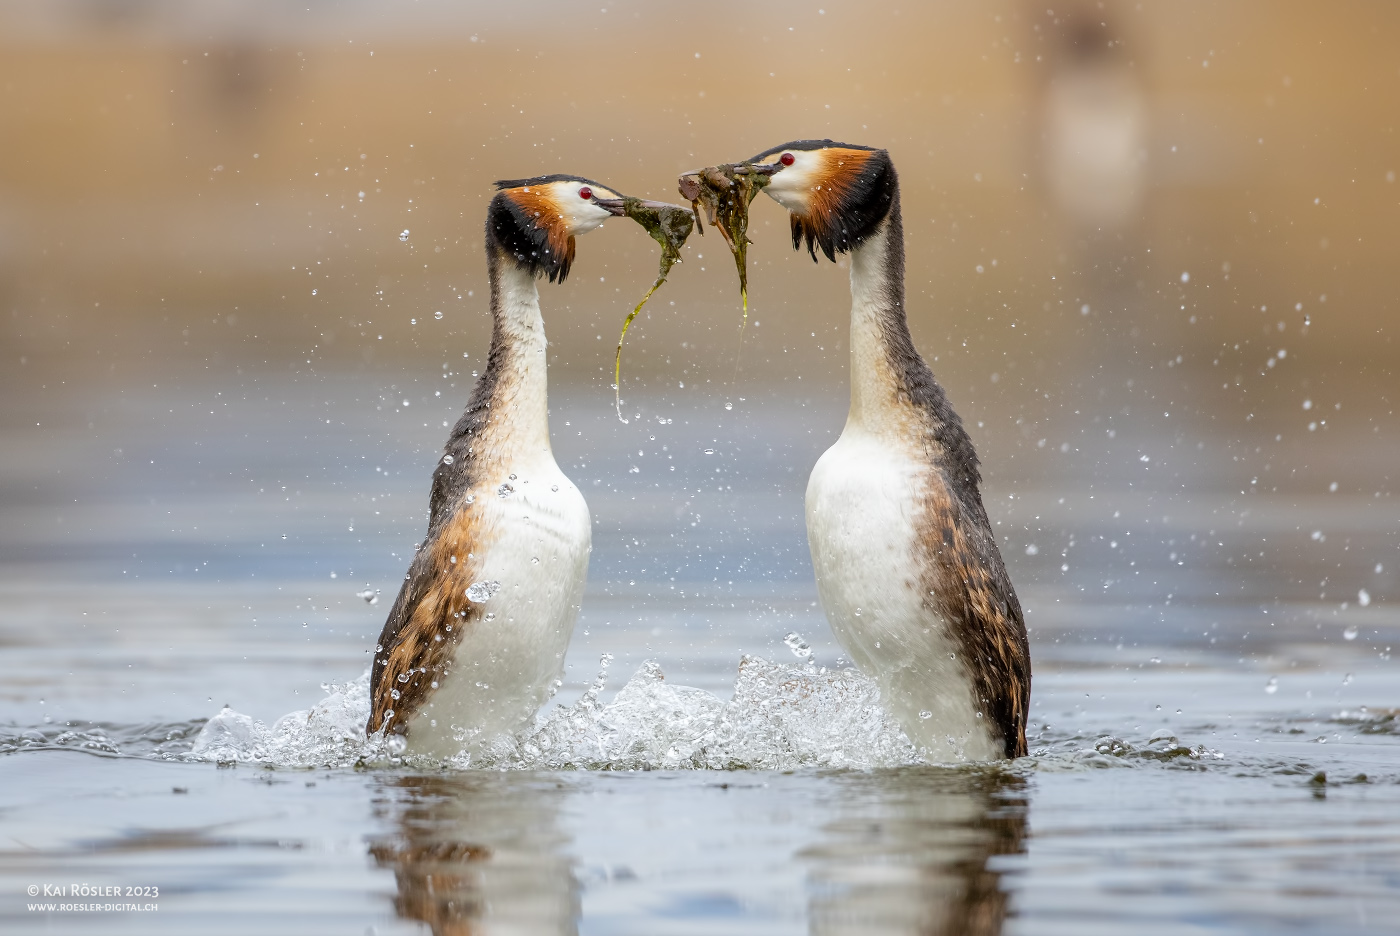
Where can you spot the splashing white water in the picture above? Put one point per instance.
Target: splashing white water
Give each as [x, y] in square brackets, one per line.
[780, 718]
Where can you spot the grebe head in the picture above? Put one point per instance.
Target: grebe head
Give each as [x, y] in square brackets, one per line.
[534, 221]
[837, 193]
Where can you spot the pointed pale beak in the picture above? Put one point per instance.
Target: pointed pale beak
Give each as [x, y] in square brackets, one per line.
[615, 206]
[766, 169]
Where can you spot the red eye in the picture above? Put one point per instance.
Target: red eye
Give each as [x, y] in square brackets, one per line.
[787, 159]
[585, 193]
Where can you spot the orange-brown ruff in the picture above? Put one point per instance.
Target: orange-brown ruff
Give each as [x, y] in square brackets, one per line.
[924, 600]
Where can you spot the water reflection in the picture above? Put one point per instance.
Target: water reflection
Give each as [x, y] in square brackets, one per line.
[480, 854]
[917, 851]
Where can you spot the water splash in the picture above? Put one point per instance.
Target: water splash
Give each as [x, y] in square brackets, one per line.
[781, 717]
[330, 734]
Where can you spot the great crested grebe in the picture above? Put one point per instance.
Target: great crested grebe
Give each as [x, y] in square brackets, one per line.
[907, 566]
[478, 632]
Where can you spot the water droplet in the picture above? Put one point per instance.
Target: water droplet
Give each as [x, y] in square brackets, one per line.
[369, 596]
[434, 685]
[397, 744]
[505, 490]
[709, 451]
[403, 677]
[798, 646]
[448, 459]
[1157, 708]
[491, 616]
[925, 715]
[1363, 598]
[437, 314]
[534, 560]
[1272, 685]
[512, 477]
[1351, 632]
[394, 694]
[471, 498]
[403, 235]
[1346, 680]
[1032, 549]
[554, 487]
[482, 591]
[857, 612]
[728, 406]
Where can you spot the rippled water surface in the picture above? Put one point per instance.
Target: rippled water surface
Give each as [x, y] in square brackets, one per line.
[1215, 741]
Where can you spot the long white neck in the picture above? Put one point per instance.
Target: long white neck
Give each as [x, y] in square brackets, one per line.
[878, 325]
[518, 348]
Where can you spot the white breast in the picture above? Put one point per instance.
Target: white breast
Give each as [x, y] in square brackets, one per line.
[862, 506]
[508, 659]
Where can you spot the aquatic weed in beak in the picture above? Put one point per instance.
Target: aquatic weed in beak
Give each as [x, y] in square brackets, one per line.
[726, 191]
[669, 226]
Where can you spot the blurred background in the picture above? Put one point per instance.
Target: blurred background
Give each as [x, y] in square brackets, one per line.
[242, 292]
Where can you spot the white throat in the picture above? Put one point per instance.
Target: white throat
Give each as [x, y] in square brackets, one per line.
[522, 389]
[876, 306]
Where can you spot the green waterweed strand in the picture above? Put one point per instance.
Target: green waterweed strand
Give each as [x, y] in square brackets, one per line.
[726, 191]
[669, 226]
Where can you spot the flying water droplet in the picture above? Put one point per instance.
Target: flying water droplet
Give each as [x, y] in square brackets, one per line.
[1363, 598]
[505, 490]
[394, 694]
[1272, 685]
[448, 459]
[369, 596]
[728, 406]
[1351, 632]
[482, 591]
[397, 744]
[403, 235]
[437, 314]
[925, 715]
[798, 646]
